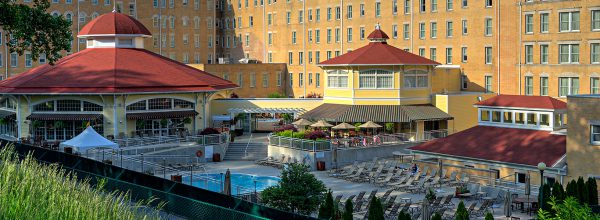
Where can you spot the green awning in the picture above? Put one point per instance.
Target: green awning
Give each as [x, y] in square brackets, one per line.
[376, 113]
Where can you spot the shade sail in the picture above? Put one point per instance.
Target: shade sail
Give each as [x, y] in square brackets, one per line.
[89, 139]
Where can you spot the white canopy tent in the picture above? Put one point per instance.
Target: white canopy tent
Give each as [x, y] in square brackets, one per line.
[88, 139]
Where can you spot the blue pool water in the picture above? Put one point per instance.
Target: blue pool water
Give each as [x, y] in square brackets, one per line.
[244, 183]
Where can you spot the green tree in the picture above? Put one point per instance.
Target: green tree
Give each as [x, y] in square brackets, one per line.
[436, 216]
[348, 208]
[461, 212]
[298, 191]
[546, 193]
[572, 189]
[582, 191]
[34, 30]
[327, 209]
[389, 127]
[403, 216]
[592, 191]
[489, 216]
[558, 192]
[570, 209]
[375, 209]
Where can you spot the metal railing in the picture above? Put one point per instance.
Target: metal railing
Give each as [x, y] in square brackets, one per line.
[434, 134]
[300, 144]
[156, 140]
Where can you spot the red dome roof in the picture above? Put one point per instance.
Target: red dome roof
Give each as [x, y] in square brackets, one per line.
[113, 70]
[114, 23]
[378, 34]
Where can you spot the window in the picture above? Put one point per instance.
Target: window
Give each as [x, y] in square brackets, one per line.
[488, 27]
[310, 14]
[372, 79]
[291, 79]
[432, 54]
[544, 54]
[485, 115]
[488, 84]
[422, 52]
[290, 58]
[595, 85]
[317, 56]
[300, 58]
[434, 5]
[349, 11]
[544, 22]
[449, 29]
[328, 36]
[569, 21]
[362, 10]
[421, 5]
[421, 30]
[394, 6]
[463, 54]
[568, 53]
[300, 16]
[508, 117]
[337, 35]
[338, 13]
[1, 60]
[310, 79]
[529, 85]
[301, 79]
[595, 134]
[519, 118]
[265, 80]
[293, 37]
[532, 119]
[544, 86]
[464, 81]
[448, 55]
[251, 21]
[318, 14]
[406, 31]
[406, 6]
[28, 60]
[595, 53]
[329, 14]
[288, 17]
[362, 32]
[14, 60]
[337, 79]
[349, 35]
[252, 80]
[449, 5]
[318, 80]
[528, 54]
[496, 116]
[596, 20]
[465, 3]
[529, 23]
[433, 30]
[394, 31]
[568, 86]
[377, 9]
[488, 55]
[416, 79]
[488, 3]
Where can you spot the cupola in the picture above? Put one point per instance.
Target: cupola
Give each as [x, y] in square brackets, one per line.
[378, 35]
[114, 30]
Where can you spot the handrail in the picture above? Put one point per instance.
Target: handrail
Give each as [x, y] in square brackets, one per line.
[248, 144]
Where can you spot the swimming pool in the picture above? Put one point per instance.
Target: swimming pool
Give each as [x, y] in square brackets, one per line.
[240, 183]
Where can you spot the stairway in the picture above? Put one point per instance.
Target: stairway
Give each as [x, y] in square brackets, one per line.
[236, 151]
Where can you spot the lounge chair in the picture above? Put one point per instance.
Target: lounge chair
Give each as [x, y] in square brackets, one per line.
[264, 160]
[386, 179]
[360, 196]
[393, 213]
[373, 193]
[448, 202]
[471, 208]
[405, 185]
[390, 202]
[424, 171]
[358, 205]
[386, 194]
[400, 181]
[355, 175]
[480, 211]
[451, 178]
[337, 199]
[416, 188]
[349, 171]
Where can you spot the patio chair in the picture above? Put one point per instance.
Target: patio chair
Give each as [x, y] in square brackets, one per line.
[424, 171]
[360, 196]
[480, 211]
[350, 171]
[435, 181]
[416, 188]
[358, 205]
[398, 182]
[355, 175]
[337, 199]
[465, 179]
[433, 173]
[436, 203]
[386, 194]
[471, 208]
[455, 182]
[382, 182]
[390, 202]
[405, 185]
[451, 178]
[393, 213]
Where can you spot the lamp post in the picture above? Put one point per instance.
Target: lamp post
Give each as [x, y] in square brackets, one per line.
[541, 166]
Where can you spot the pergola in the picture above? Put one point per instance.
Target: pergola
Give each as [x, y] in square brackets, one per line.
[294, 111]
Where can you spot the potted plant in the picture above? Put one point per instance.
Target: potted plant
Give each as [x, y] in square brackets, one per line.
[164, 122]
[187, 120]
[430, 196]
[59, 124]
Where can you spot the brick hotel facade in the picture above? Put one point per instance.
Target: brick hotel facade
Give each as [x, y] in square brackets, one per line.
[530, 47]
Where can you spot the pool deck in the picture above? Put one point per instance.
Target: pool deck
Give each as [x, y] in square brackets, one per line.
[346, 188]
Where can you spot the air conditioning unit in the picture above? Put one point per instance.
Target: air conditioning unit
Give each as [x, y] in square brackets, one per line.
[223, 60]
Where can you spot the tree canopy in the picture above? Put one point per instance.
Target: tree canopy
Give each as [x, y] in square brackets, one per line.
[31, 28]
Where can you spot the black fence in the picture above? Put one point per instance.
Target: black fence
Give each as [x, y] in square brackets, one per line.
[180, 199]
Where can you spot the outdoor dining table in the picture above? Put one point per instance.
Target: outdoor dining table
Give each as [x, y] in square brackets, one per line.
[414, 208]
[524, 201]
[405, 200]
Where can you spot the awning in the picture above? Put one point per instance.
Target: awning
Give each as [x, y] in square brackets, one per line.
[266, 110]
[64, 117]
[376, 113]
[161, 115]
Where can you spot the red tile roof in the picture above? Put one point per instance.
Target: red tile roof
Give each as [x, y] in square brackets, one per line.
[510, 145]
[114, 23]
[113, 70]
[378, 52]
[522, 101]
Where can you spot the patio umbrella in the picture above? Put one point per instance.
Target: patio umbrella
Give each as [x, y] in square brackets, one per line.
[527, 185]
[227, 187]
[425, 212]
[343, 126]
[370, 124]
[507, 203]
[303, 122]
[440, 165]
[321, 124]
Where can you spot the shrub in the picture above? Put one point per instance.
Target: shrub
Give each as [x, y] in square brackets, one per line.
[570, 208]
[375, 209]
[357, 129]
[286, 128]
[488, 216]
[314, 135]
[403, 216]
[572, 189]
[558, 192]
[389, 127]
[546, 196]
[582, 191]
[461, 212]
[298, 191]
[234, 96]
[327, 209]
[436, 216]
[209, 131]
[276, 95]
[592, 191]
[299, 135]
[348, 208]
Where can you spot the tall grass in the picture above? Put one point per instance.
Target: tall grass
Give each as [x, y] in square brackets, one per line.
[30, 190]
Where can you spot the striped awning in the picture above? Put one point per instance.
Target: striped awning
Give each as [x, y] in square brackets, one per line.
[266, 110]
[376, 113]
[161, 115]
[64, 117]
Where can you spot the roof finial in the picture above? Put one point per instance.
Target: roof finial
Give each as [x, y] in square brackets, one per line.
[114, 7]
[377, 27]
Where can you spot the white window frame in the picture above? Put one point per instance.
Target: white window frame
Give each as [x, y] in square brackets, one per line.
[337, 79]
[373, 79]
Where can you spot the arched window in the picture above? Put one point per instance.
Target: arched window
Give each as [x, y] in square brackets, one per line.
[337, 79]
[416, 79]
[69, 17]
[55, 13]
[67, 106]
[158, 104]
[8, 103]
[94, 15]
[82, 17]
[376, 79]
